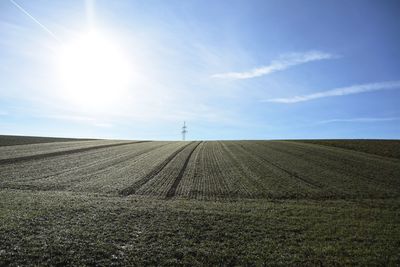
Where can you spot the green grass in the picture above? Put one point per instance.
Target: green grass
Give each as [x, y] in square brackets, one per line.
[274, 203]
[69, 228]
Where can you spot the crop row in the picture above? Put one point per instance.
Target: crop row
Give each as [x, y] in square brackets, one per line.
[13, 154]
[166, 176]
[209, 170]
[66, 171]
[231, 170]
[332, 172]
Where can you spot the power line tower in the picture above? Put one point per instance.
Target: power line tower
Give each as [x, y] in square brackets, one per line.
[184, 131]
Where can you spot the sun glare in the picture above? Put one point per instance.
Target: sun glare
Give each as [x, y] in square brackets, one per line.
[94, 71]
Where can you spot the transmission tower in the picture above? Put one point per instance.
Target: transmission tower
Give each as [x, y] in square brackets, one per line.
[184, 131]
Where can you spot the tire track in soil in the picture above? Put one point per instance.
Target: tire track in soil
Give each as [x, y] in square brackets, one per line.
[369, 179]
[235, 172]
[196, 176]
[104, 164]
[290, 173]
[246, 172]
[328, 165]
[172, 191]
[136, 185]
[24, 186]
[62, 153]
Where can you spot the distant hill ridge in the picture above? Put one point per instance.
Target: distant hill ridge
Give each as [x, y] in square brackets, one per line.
[12, 140]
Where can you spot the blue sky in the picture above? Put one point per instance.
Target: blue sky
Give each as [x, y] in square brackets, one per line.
[230, 69]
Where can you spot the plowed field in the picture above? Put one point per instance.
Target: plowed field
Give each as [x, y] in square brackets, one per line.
[101, 202]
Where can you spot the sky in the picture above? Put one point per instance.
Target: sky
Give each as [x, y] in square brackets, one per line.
[238, 69]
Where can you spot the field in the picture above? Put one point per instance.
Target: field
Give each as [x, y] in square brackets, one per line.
[103, 202]
[386, 148]
[11, 140]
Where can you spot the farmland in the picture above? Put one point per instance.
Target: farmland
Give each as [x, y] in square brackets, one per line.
[88, 202]
[11, 140]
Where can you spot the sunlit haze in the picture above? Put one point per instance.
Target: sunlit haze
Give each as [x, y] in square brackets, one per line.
[94, 71]
[230, 69]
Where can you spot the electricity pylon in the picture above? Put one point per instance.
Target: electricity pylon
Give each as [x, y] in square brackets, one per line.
[184, 131]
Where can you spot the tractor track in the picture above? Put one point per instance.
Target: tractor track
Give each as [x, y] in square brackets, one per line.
[61, 153]
[342, 168]
[290, 173]
[172, 191]
[247, 173]
[26, 185]
[130, 190]
[103, 164]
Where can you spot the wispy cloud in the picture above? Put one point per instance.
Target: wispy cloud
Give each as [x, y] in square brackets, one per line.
[283, 62]
[359, 120]
[354, 89]
[35, 20]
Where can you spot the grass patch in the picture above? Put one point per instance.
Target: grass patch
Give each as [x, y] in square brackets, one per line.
[57, 228]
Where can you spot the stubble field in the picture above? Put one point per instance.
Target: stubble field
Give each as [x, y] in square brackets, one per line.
[103, 202]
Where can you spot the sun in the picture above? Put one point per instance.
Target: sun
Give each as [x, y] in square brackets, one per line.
[94, 71]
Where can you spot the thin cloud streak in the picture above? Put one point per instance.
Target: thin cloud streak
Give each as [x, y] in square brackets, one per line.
[284, 62]
[366, 120]
[355, 89]
[35, 20]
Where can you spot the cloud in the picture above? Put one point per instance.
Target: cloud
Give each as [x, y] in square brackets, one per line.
[35, 20]
[283, 62]
[354, 89]
[359, 120]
